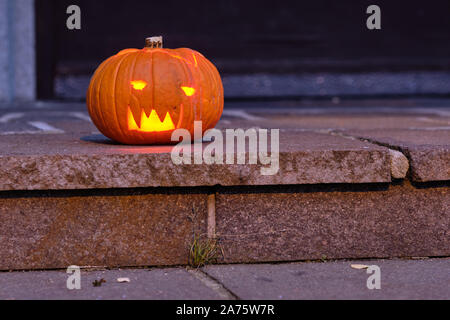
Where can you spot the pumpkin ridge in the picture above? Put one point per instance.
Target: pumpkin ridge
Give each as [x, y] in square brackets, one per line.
[93, 101]
[98, 89]
[137, 55]
[196, 102]
[215, 86]
[206, 69]
[188, 75]
[219, 90]
[153, 78]
[116, 71]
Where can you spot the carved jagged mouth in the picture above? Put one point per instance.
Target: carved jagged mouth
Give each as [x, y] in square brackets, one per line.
[152, 123]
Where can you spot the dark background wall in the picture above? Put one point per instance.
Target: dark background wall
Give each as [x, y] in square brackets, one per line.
[250, 36]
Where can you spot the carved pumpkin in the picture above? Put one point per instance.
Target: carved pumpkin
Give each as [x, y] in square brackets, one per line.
[142, 96]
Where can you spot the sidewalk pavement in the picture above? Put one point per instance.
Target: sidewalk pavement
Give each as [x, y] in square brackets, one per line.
[399, 279]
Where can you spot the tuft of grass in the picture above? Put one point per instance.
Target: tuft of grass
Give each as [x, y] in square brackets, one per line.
[203, 252]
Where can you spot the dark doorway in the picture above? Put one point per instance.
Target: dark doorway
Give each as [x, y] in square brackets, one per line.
[246, 37]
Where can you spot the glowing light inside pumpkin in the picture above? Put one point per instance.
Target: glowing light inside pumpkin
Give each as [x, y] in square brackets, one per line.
[188, 91]
[138, 85]
[150, 124]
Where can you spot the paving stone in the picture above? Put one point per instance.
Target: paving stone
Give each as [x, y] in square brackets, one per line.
[145, 284]
[80, 158]
[78, 161]
[427, 150]
[307, 223]
[400, 279]
[144, 228]
[123, 228]
[337, 119]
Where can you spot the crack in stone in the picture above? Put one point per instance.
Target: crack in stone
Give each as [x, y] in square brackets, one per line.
[213, 284]
[400, 160]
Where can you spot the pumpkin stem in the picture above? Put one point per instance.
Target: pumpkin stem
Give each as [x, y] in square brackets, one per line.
[154, 42]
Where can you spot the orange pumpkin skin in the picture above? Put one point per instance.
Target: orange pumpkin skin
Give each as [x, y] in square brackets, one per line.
[130, 89]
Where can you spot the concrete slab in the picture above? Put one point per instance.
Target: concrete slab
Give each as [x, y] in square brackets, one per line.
[428, 150]
[301, 223]
[147, 227]
[39, 132]
[423, 134]
[118, 228]
[400, 279]
[60, 149]
[334, 121]
[145, 284]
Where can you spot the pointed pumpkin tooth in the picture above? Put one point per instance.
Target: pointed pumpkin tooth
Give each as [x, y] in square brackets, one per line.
[136, 110]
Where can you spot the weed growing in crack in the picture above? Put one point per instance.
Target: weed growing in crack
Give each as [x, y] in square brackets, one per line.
[203, 252]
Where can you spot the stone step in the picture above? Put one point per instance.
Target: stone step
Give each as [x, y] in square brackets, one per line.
[349, 185]
[154, 227]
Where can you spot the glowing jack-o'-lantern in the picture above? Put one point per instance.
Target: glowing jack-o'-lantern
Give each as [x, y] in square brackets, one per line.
[142, 96]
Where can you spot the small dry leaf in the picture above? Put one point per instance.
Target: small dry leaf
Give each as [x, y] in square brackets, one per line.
[123, 280]
[359, 266]
[98, 283]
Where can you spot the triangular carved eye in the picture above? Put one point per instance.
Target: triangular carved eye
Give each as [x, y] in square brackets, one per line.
[138, 85]
[188, 91]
